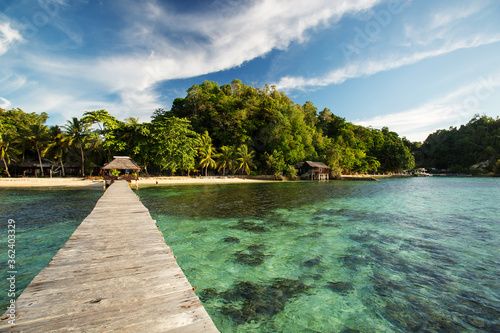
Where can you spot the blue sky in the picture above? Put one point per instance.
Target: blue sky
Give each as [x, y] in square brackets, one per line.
[414, 66]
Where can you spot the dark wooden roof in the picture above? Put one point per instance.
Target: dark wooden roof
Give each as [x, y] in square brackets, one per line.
[36, 163]
[121, 163]
[316, 165]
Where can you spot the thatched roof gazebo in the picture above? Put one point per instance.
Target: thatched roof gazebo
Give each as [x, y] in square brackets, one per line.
[122, 163]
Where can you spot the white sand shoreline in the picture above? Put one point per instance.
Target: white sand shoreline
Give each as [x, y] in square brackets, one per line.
[81, 182]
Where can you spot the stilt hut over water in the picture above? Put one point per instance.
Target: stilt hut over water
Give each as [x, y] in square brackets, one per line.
[314, 170]
[128, 169]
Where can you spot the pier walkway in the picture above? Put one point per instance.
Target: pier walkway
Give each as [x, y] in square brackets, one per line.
[115, 273]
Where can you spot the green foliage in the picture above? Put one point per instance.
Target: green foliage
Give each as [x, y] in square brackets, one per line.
[238, 127]
[8, 149]
[226, 159]
[172, 145]
[58, 146]
[457, 149]
[207, 153]
[77, 133]
[275, 163]
[245, 159]
[351, 148]
[496, 168]
[291, 172]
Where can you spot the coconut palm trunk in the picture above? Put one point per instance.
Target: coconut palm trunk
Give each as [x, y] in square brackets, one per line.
[62, 168]
[40, 161]
[6, 167]
[83, 161]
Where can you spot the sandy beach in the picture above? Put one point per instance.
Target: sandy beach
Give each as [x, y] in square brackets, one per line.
[77, 182]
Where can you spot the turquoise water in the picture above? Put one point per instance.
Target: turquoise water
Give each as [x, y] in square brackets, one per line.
[44, 218]
[399, 255]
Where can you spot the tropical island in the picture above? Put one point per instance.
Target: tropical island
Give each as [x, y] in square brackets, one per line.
[237, 129]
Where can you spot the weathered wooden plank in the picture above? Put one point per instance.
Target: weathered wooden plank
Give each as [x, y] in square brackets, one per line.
[115, 273]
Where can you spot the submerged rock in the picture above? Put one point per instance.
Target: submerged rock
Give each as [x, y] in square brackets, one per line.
[249, 226]
[250, 301]
[231, 240]
[349, 330]
[352, 262]
[257, 247]
[331, 224]
[314, 277]
[199, 231]
[311, 262]
[250, 259]
[340, 287]
[207, 294]
[364, 236]
[252, 256]
[313, 235]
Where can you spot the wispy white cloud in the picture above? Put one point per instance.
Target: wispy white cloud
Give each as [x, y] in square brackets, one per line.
[4, 104]
[163, 45]
[371, 67]
[8, 36]
[10, 81]
[453, 109]
[445, 23]
[443, 30]
[453, 15]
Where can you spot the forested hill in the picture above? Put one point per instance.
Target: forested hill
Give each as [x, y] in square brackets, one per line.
[212, 129]
[283, 133]
[459, 149]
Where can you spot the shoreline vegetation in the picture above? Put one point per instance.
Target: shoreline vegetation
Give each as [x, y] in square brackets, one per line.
[239, 130]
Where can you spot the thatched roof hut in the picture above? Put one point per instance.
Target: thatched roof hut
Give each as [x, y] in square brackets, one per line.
[121, 163]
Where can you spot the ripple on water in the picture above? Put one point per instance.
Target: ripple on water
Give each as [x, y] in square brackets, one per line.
[408, 255]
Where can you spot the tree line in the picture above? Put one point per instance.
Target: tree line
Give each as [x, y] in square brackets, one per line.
[233, 128]
[476, 144]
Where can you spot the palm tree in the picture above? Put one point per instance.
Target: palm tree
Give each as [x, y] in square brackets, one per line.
[58, 146]
[129, 131]
[132, 121]
[98, 152]
[77, 132]
[245, 158]
[37, 136]
[207, 153]
[7, 150]
[226, 159]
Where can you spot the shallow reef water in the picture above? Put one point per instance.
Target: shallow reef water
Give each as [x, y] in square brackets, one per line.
[399, 255]
[44, 218]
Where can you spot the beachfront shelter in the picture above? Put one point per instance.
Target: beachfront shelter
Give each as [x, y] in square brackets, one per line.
[124, 164]
[32, 167]
[314, 170]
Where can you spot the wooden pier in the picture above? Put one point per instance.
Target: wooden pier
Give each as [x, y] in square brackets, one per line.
[115, 273]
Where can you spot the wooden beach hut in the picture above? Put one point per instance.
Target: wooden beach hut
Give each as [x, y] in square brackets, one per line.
[32, 167]
[125, 165]
[313, 170]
